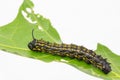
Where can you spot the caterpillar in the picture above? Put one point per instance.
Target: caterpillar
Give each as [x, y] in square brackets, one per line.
[72, 51]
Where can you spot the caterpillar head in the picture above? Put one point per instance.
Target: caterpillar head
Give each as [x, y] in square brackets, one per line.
[31, 45]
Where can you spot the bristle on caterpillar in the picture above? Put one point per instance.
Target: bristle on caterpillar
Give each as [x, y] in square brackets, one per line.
[72, 51]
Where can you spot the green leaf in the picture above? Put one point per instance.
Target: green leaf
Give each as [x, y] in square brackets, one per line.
[15, 36]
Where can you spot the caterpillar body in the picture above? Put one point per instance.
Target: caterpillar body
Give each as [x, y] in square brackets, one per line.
[72, 51]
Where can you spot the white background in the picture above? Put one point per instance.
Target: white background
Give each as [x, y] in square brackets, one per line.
[83, 22]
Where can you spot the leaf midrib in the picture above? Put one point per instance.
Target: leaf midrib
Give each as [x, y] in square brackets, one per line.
[14, 47]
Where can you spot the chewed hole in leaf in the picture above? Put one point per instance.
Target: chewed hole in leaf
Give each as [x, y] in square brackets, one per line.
[28, 10]
[38, 16]
[40, 28]
[28, 17]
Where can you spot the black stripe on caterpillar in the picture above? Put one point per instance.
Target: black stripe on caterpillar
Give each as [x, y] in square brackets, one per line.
[72, 51]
